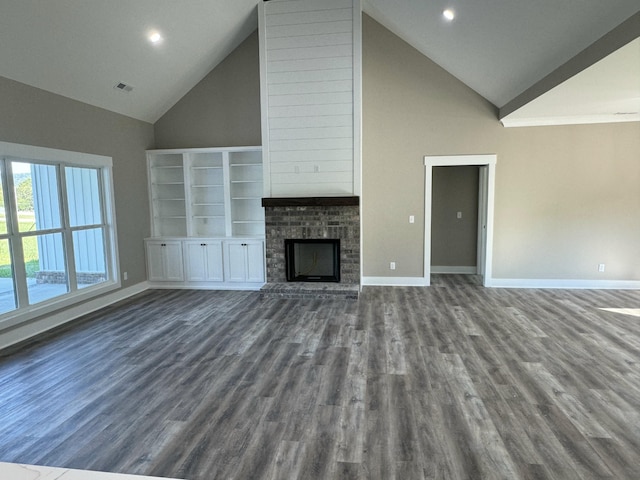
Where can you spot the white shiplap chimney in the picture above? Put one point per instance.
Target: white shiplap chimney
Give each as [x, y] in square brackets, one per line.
[310, 69]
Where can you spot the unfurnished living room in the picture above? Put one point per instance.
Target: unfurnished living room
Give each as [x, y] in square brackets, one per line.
[337, 239]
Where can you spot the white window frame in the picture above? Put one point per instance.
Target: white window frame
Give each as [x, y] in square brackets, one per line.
[62, 159]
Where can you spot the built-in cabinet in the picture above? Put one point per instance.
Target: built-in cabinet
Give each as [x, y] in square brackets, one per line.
[164, 261]
[203, 261]
[207, 219]
[244, 261]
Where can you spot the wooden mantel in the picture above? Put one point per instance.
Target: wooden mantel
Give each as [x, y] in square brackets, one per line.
[310, 201]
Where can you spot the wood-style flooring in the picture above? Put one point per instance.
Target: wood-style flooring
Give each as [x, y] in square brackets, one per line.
[453, 381]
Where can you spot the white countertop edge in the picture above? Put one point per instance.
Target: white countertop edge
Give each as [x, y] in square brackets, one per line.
[16, 471]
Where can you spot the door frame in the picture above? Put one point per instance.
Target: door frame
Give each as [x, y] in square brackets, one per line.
[486, 197]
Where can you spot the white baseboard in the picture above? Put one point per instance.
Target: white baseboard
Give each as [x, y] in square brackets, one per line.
[205, 286]
[455, 270]
[36, 327]
[565, 284]
[394, 281]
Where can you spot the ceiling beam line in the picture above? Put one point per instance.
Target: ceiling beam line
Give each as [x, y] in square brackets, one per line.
[624, 33]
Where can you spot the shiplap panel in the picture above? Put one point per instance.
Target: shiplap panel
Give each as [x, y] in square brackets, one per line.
[330, 98]
[309, 167]
[308, 57]
[321, 40]
[310, 64]
[307, 53]
[311, 122]
[310, 110]
[311, 144]
[288, 31]
[312, 156]
[307, 133]
[304, 18]
[319, 177]
[312, 188]
[311, 87]
[291, 6]
[310, 76]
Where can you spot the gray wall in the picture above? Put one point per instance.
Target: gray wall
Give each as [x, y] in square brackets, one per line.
[566, 197]
[34, 117]
[222, 110]
[454, 241]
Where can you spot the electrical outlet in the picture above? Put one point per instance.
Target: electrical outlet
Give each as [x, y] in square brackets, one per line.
[125, 276]
[459, 215]
[392, 266]
[601, 267]
[412, 219]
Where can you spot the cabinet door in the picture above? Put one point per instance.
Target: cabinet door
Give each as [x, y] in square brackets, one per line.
[255, 261]
[195, 266]
[213, 261]
[244, 261]
[174, 267]
[235, 262]
[164, 261]
[203, 261]
[155, 264]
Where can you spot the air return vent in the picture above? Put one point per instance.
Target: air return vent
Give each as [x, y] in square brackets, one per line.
[123, 87]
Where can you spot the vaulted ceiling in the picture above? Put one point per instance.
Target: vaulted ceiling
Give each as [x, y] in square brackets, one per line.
[504, 50]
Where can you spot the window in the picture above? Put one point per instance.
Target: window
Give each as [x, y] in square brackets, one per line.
[57, 236]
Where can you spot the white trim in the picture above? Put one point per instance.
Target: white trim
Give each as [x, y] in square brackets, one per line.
[460, 270]
[460, 160]
[25, 331]
[357, 97]
[29, 152]
[394, 281]
[566, 284]
[357, 121]
[205, 286]
[264, 99]
[205, 150]
[569, 120]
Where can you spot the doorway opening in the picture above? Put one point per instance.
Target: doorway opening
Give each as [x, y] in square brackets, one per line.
[486, 187]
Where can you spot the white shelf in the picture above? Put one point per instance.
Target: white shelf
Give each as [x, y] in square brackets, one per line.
[221, 187]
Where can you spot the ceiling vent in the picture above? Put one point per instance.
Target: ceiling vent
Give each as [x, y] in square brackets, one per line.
[123, 87]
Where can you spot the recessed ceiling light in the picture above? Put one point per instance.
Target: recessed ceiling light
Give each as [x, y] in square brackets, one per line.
[155, 37]
[449, 14]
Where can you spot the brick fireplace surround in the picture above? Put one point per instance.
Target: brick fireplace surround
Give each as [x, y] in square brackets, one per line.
[312, 218]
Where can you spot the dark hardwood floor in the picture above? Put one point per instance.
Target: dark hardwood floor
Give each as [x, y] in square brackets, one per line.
[453, 381]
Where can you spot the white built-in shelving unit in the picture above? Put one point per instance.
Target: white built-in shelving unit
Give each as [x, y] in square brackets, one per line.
[209, 201]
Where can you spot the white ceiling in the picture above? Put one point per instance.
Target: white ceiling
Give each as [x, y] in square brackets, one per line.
[608, 91]
[82, 48]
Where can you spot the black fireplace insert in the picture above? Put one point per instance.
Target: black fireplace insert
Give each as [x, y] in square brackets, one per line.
[312, 260]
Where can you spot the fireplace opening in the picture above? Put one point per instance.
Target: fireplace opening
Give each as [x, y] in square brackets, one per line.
[312, 260]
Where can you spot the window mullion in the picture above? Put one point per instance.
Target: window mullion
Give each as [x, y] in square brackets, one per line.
[15, 239]
[67, 234]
